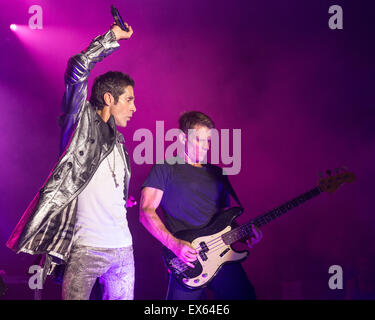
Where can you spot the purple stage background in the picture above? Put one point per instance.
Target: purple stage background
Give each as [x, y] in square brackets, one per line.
[299, 91]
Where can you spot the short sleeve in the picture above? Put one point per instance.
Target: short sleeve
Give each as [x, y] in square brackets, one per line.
[158, 177]
[225, 196]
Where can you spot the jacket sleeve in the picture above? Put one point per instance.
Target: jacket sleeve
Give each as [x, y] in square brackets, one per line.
[76, 77]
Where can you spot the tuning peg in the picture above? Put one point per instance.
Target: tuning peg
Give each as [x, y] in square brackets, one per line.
[329, 172]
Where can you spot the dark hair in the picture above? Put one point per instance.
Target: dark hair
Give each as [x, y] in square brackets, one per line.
[113, 82]
[190, 119]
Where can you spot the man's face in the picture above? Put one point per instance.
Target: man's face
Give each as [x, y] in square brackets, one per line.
[198, 143]
[124, 109]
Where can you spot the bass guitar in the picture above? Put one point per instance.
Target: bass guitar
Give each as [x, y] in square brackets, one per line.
[213, 242]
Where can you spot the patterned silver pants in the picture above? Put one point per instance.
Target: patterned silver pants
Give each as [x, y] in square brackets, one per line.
[113, 267]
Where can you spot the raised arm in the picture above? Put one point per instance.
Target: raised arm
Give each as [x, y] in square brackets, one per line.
[150, 201]
[76, 77]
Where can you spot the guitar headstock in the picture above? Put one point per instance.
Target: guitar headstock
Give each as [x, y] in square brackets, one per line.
[333, 181]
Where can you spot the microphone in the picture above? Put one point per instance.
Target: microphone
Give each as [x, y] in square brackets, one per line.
[116, 15]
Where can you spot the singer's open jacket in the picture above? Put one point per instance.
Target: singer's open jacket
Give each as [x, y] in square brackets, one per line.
[47, 226]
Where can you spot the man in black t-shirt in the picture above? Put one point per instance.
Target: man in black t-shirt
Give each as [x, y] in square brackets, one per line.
[190, 192]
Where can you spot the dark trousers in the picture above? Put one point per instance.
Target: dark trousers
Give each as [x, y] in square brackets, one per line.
[231, 283]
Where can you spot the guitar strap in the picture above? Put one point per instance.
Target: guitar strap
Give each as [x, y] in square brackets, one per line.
[231, 191]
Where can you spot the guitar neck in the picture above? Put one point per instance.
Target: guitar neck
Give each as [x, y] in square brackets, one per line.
[245, 230]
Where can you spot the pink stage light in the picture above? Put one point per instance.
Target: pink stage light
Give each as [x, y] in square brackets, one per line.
[13, 27]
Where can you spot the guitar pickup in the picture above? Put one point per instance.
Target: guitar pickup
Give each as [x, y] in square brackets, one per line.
[224, 252]
[202, 252]
[203, 256]
[204, 247]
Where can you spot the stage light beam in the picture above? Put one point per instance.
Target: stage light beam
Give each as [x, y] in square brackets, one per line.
[13, 27]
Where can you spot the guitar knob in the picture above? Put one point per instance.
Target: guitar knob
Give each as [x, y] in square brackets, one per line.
[196, 280]
[185, 280]
[204, 275]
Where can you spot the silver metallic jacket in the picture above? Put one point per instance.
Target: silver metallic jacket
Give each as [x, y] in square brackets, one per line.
[47, 226]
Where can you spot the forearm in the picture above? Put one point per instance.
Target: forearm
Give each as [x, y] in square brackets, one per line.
[76, 76]
[151, 221]
[79, 68]
[80, 65]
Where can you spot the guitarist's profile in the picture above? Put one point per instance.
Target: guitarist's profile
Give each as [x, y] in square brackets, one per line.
[192, 195]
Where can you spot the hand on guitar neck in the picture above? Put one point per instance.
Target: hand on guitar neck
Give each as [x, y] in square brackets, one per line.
[253, 238]
[258, 235]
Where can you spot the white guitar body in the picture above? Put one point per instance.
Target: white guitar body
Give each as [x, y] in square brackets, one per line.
[218, 254]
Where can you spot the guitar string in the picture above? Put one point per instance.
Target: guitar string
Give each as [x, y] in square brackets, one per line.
[213, 241]
[210, 243]
[212, 246]
[186, 267]
[217, 247]
[261, 219]
[213, 250]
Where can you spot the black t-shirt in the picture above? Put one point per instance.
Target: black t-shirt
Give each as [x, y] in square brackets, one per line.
[192, 195]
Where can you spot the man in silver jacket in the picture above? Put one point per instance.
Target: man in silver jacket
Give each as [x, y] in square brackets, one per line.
[78, 217]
